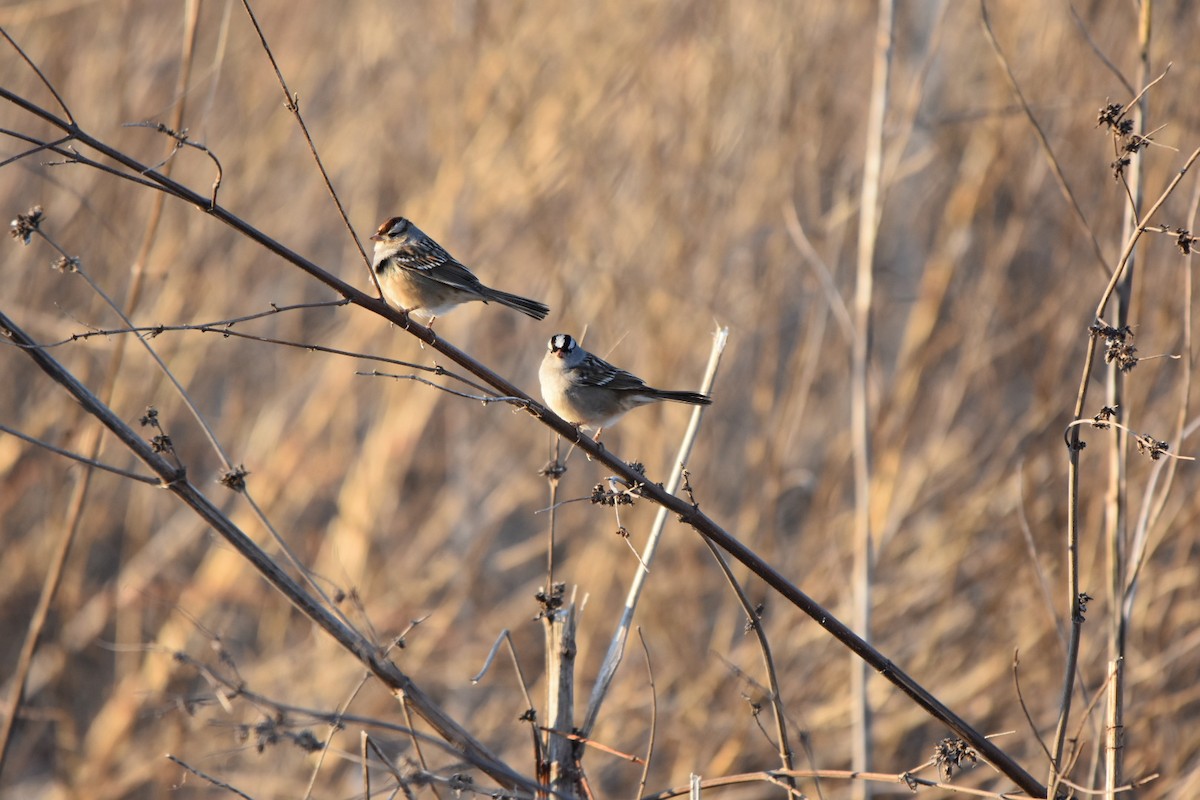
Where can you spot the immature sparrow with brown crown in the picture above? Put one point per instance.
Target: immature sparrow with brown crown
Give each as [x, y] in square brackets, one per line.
[418, 276]
[586, 390]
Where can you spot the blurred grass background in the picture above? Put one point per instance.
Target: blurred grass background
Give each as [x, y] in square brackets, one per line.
[647, 169]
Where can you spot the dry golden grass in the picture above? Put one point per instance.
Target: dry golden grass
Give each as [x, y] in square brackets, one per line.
[637, 166]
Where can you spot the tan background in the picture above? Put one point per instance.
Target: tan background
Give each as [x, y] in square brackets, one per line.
[642, 167]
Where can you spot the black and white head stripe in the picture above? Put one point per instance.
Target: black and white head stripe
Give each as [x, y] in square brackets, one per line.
[393, 228]
[561, 343]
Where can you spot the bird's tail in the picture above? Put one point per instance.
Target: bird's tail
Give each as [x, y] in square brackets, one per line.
[691, 398]
[523, 304]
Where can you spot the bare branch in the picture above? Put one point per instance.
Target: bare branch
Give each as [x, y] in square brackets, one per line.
[1043, 142]
[38, 72]
[91, 462]
[181, 140]
[292, 103]
[209, 778]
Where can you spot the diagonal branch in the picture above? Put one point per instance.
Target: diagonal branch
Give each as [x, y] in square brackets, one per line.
[292, 104]
[1052, 160]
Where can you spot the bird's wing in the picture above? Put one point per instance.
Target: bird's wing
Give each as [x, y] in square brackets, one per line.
[436, 264]
[595, 371]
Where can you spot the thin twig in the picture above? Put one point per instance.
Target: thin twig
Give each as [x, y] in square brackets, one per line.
[91, 462]
[1137, 99]
[224, 328]
[182, 140]
[553, 472]
[904, 779]
[1104, 59]
[1152, 507]
[754, 624]
[292, 103]
[870, 211]
[162, 365]
[1047, 151]
[335, 726]
[1155, 452]
[166, 371]
[616, 647]
[520, 402]
[530, 713]
[1127, 787]
[209, 778]
[364, 742]
[72, 156]
[833, 298]
[1034, 564]
[37, 148]
[38, 72]
[506, 638]
[653, 716]
[1033, 728]
[1132, 241]
[416, 743]
[592, 743]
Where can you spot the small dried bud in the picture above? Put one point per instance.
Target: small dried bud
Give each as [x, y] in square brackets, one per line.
[235, 479]
[1110, 115]
[1185, 241]
[951, 754]
[1148, 445]
[66, 264]
[1081, 601]
[1106, 415]
[22, 228]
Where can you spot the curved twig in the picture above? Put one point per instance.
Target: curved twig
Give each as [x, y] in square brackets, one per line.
[91, 462]
[181, 140]
[292, 103]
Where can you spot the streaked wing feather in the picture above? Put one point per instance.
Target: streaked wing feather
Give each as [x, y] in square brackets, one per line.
[436, 264]
[601, 373]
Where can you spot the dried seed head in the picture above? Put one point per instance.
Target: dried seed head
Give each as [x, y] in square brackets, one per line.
[22, 228]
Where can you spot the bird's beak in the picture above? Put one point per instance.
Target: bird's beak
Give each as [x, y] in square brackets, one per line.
[376, 237]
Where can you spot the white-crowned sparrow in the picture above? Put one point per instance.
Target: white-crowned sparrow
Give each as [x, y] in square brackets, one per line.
[418, 276]
[586, 390]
